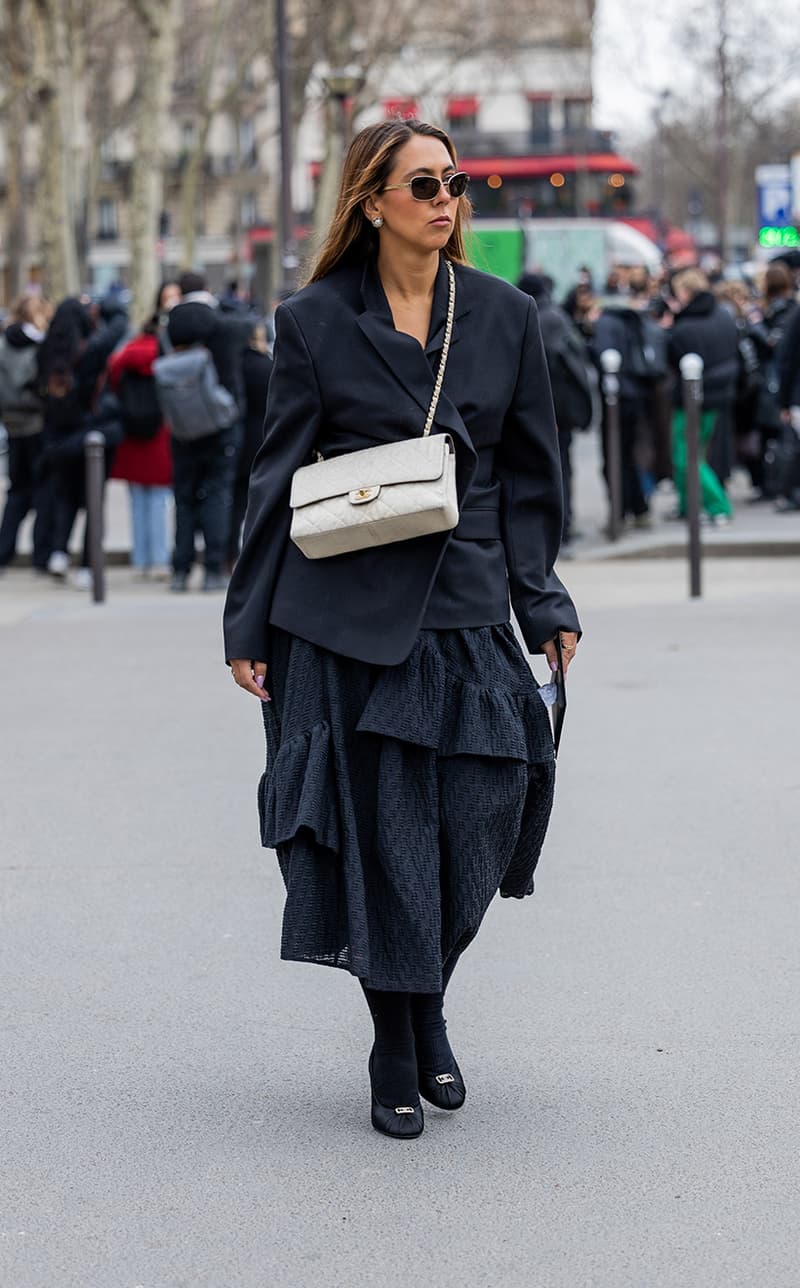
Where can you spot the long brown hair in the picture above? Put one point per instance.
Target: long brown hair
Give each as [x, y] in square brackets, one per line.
[367, 166]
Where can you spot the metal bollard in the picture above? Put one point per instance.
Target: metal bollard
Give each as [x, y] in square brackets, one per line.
[611, 361]
[691, 366]
[95, 450]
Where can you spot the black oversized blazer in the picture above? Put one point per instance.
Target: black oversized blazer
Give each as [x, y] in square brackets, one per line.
[345, 379]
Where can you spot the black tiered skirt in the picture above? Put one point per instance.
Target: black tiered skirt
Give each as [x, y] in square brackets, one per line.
[401, 799]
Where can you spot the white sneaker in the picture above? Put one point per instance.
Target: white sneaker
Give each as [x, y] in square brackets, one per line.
[160, 572]
[81, 579]
[58, 563]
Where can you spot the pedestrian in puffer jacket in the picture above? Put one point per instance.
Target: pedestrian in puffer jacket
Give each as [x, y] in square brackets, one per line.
[704, 327]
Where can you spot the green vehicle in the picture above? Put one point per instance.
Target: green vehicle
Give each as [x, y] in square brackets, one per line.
[559, 248]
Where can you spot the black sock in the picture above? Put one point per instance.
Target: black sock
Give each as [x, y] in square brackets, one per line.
[430, 1034]
[394, 1062]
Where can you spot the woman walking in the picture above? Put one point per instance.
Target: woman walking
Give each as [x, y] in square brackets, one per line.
[409, 757]
[144, 457]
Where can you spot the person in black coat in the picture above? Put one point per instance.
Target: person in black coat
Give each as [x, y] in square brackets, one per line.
[22, 412]
[72, 361]
[566, 364]
[257, 368]
[620, 327]
[410, 762]
[704, 327]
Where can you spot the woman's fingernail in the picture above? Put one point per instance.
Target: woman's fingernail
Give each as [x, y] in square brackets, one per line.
[260, 681]
[554, 666]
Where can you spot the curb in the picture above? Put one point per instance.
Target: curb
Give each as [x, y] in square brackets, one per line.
[742, 548]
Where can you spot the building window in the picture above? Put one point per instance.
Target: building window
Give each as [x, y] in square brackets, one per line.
[540, 119]
[247, 141]
[106, 219]
[462, 112]
[576, 114]
[248, 210]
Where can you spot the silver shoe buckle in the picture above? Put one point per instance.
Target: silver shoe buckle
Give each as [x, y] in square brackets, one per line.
[404, 1109]
[444, 1078]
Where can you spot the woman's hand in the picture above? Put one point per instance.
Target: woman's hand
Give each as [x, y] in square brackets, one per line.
[569, 643]
[251, 676]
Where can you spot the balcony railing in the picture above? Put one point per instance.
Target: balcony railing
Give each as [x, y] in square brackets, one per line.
[511, 143]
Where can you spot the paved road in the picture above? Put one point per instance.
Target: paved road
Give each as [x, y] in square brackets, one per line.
[178, 1108]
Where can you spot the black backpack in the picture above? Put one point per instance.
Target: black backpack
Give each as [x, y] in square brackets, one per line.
[140, 410]
[572, 393]
[647, 353]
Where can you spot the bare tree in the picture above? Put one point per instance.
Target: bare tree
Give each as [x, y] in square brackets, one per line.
[158, 19]
[225, 49]
[725, 113]
[17, 58]
[50, 87]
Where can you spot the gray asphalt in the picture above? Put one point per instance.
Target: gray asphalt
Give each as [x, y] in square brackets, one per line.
[180, 1108]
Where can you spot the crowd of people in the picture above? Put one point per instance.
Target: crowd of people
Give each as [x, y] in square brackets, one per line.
[747, 331]
[180, 404]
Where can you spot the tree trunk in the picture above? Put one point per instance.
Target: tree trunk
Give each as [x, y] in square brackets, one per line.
[331, 171]
[16, 223]
[56, 225]
[15, 126]
[190, 189]
[159, 20]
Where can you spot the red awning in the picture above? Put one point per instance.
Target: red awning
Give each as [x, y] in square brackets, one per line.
[405, 108]
[539, 166]
[464, 106]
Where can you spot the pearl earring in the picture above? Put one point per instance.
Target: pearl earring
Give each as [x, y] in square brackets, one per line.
[377, 221]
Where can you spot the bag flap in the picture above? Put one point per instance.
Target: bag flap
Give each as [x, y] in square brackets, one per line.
[409, 461]
[184, 368]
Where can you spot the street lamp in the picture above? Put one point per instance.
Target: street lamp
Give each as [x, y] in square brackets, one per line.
[289, 259]
[342, 84]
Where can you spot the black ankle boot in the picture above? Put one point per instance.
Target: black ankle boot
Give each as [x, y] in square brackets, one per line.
[438, 1075]
[396, 1110]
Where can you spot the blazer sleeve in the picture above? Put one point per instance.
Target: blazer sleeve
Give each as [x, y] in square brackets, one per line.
[528, 466]
[293, 417]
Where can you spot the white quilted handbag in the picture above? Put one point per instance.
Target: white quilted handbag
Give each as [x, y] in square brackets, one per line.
[382, 494]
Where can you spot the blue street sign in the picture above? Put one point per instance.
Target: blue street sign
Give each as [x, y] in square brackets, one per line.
[774, 192]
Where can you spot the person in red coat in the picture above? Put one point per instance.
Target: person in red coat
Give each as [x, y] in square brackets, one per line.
[146, 463]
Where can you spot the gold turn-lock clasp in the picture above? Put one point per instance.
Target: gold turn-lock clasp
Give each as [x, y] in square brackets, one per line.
[361, 495]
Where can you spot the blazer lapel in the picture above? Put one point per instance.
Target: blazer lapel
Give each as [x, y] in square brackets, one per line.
[410, 365]
[401, 353]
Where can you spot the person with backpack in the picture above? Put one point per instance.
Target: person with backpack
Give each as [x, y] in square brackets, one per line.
[565, 352]
[22, 413]
[144, 457]
[203, 417]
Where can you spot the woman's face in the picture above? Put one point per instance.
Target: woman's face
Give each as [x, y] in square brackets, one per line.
[425, 225]
[170, 296]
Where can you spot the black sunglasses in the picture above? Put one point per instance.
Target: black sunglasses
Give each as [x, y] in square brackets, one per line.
[425, 187]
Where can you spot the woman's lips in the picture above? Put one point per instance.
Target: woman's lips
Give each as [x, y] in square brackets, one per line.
[442, 219]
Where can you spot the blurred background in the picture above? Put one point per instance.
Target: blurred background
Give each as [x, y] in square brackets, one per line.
[139, 137]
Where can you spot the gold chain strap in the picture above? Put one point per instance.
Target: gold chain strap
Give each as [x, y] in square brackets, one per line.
[448, 331]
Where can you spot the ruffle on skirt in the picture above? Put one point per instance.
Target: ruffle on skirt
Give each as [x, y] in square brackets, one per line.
[400, 799]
